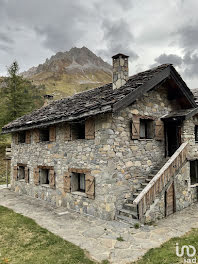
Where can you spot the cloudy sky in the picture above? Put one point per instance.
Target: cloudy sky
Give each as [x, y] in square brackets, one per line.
[151, 32]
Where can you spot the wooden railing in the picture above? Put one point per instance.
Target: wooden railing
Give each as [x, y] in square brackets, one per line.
[159, 181]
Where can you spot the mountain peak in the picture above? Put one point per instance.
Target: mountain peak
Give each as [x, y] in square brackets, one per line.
[78, 58]
[79, 69]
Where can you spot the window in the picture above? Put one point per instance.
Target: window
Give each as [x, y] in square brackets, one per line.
[21, 173]
[196, 133]
[78, 182]
[146, 128]
[194, 172]
[78, 130]
[21, 137]
[44, 176]
[44, 134]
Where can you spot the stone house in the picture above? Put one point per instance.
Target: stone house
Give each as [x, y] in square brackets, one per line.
[127, 150]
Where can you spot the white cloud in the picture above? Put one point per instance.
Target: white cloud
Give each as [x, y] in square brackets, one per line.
[153, 30]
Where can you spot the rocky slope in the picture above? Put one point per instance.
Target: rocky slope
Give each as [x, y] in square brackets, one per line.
[70, 72]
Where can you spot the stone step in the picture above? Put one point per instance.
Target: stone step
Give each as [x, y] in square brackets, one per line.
[141, 178]
[127, 220]
[155, 171]
[147, 180]
[140, 189]
[136, 194]
[130, 206]
[144, 184]
[130, 200]
[150, 176]
[128, 213]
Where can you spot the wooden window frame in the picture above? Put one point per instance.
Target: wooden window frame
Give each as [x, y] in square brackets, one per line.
[78, 130]
[51, 176]
[89, 182]
[22, 137]
[42, 134]
[26, 172]
[147, 122]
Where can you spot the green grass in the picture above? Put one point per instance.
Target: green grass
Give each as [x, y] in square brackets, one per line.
[23, 241]
[166, 254]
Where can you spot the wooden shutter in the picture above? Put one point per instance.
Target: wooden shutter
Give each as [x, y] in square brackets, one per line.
[159, 130]
[136, 127]
[36, 176]
[15, 173]
[16, 138]
[52, 134]
[26, 175]
[90, 186]
[90, 128]
[67, 182]
[52, 178]
[28, 137]
[36, 135]
[67, 131]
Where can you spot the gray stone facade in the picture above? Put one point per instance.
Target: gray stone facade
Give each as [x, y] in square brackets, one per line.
[185, 195]
[117, 162]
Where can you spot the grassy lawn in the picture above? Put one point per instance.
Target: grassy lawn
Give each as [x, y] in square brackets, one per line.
[166, 254]
[23, 241]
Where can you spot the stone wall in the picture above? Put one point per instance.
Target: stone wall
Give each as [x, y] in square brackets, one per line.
[188, 134]
[185, 195]
[117, 162]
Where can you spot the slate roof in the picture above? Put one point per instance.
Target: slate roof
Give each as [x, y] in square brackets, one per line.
[81, 105]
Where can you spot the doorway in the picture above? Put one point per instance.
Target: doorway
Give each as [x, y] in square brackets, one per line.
[173, 137]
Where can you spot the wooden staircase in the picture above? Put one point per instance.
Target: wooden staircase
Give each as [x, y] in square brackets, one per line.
[129, 211]
[136, 206]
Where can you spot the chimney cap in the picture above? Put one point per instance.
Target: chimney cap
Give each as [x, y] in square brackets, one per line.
[119, 55]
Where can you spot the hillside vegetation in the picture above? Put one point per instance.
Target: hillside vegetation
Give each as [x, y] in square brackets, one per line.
[70, 72]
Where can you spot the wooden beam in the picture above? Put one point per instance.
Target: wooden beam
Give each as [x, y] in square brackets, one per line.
[137, 93]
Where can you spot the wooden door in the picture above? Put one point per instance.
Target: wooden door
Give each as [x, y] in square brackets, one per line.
[173, 137]
[170, 200]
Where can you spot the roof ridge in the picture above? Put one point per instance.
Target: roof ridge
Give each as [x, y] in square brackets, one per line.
[91, 102]
[87, 91]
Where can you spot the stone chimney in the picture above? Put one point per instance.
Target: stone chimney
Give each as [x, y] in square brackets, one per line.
[47, 99]
[120, 70]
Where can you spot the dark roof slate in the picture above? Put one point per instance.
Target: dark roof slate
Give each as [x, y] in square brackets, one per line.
[91, 102]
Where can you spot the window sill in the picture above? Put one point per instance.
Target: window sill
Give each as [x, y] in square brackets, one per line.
[22, 180]
[146, 139]
[79, 193]
[45, 142]
[45, 185]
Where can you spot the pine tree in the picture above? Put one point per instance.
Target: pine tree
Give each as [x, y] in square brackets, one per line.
[19, 95]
